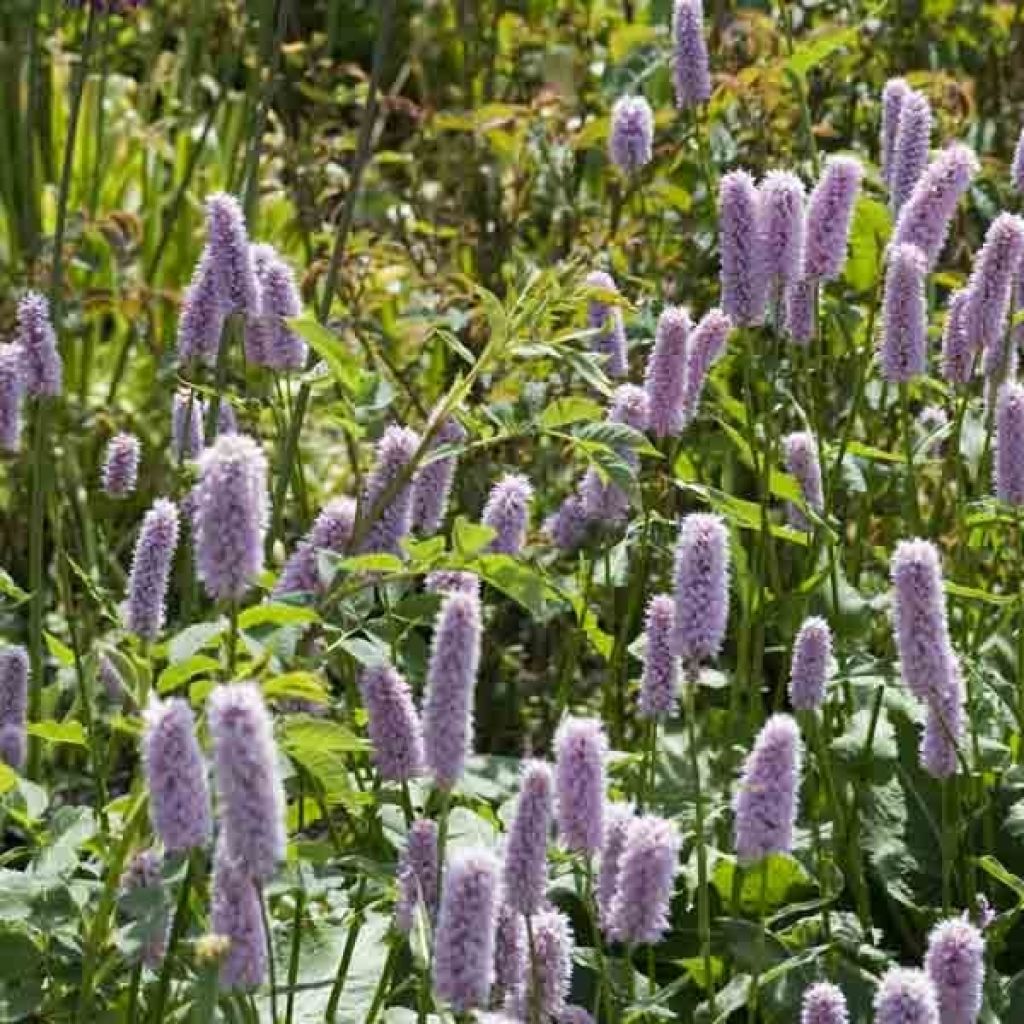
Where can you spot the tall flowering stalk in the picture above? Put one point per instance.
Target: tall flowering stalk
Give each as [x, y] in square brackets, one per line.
[581, 749]
[701, 589]
[910, 151]
[606, 320]
[955, 962]
[14, 679]
[665, 378]
[691, 73]
[894, 95]
[394, 726]
[631, 139]
[388, 493]
[145, 608]
[433, 484]
[990, 289]
[743, 279]
[507, 512]
[526, 867]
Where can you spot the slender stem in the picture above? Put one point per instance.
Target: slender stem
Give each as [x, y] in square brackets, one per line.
[232, 639]
[762, 914]
[347, 953]
[268, 936]
[532, 988]
[177, 931]
[300, 904]
[913, 515]
[593, 912]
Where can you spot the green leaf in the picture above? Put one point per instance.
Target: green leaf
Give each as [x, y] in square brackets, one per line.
[8, 778]
[344, 366]
[375, 562]
[323, 748]
[469, 538]
[277, 615]
[519, 581]
[182, 672]
[869, 233]
[784, 879]
[809, 55]
[10, 589]
[58, 732]
[994, 869]
[63, 655]
[193, 639]
[297, 686]
[573, 409]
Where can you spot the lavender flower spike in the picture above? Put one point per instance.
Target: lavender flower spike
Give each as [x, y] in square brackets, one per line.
[41, 366]
[202, 316]
[660, 683]
[617, 817]
[903, 353]
[508, 512]
[179, 800]
[631, 138]
[801, 300]
[464, 940]
[509, 952]
[1017, 169]
[526, 863]
[955, 962]
[14, 675]
[1009, 472]
[433, 484]
[417, 875]
[744, 284]
[228, 251]
[120, 471]
[782, 224]
[606, 320]
[394, 725]
[581, 748]
[451, 680]
[765, 805]
[394, 453]
[824, 1003]
[802, 462]
[701, 588]
[187, 414]
[603, 500]
[332, 531]
[812, 658]
[144, 610]
[567, 526]
[12, 392]
[665, 381]
[647, 871]
[906, 996]
[957, 354]
[545, 985]
[237, 915]
[706, 344]
[232, 512]
[690, 66]
[894, 95]
[910, 154]
[273, 343]
[829, 215]
[990, 287]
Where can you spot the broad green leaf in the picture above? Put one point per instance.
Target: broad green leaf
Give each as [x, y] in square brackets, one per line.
[11, 590]
[62, 654]
[182, 672]
[58, 732]
[469, 538]
[573, 409]
[277, 615]
[296, 686]
[194, 639]
[783, 877]
[379, 561]
[810, 54]
[869, 234]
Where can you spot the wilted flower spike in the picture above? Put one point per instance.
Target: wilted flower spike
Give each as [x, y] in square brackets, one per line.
[906, 996]
[894, 94]
[660, 683]
[179, 799]
[394, 453]
[581, 748]
[782, 226]
[236, 914]
[203, 312]
[231, 517]
[647, 871]
[812, 657]
[12, 392]
[187, 414]
[230, 259]
[990, 288]
[451, 681]
[824, 1003]
[765, 805]
[665, 380]
[802, 462]
[631, 138]
[433, 484]
[121, 465]
[526, 848]
[545, 983]
[955, 962]
[904, 352]
[690, 66]
[466, 922]
[744, 284]
[957, 354]
[910, 153]
[394, 726]
[829, 215]
[701, 588]
[42, 372]
[417, 875]
[1010, 444]
[606, 320]
[144, 609]
[703, 349]
[271, 341]
[508, 512]
[617, 818]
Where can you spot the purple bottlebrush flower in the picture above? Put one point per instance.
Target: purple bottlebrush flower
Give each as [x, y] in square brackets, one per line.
[14, 675]
[120, 471]
[906, 996]
[660, 683]
[145, 608]
[544, 988]
[691, 72]
[227, 421]
[606, 320]
[567, 526]
[451, 581]
[433, 484]
[466, 923]
[925, 218]
[12, 392]
[829, 215]
[231, 515]
[957, 354]
[187, 414]
[631, 137]
[665, 378]
[955, 962]
[13, 745]
[1017, 170]
[179, 800]
[231, 262]
[250, 794]
[812, 658]
[910, 152]
[801, 451]
[202, 316]
[41, 368]
[943, 730]
[603, 500]
[110, 678]
[801, 302]
[701, 588]
[647, 872]
[509, 952]
[617, 818]
[526, 849]
[391, 483]
[990, 288]
[765, 805]
[451, 680]
[1009, 474]
[236, 914]
[393, 724]
[894, 95]
[704, 347]
[417, 875]
[581, 748]
[744, 283]
[143, 873]
[782, 201]
[332, 531]
[269, 341]
[507, 512]
[904, 349]
[824, 1003]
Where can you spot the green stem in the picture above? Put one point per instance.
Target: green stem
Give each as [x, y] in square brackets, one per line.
[268, 936]
[177, 932]
[347, 953]
[913, 515]
[762, 913]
